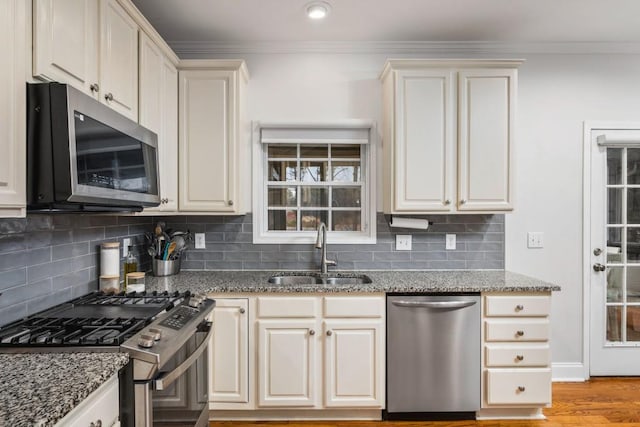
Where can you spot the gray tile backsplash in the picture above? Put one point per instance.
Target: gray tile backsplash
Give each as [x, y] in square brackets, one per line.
[49, 259]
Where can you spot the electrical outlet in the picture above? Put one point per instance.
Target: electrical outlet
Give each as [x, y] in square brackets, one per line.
[403, 242]
[125, 246]
[535, 239]
[200, 244]
[450, 242]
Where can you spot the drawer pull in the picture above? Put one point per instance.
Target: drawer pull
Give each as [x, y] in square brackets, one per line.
[329, 333]
[242, 310]
[312, 332]
[519, 358]
[519, 307]
[521, 389]
[520, 333]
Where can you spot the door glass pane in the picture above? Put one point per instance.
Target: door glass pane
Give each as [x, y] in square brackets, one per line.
[345, 197]
[282, 171]
[314, 197]
[633, 323]
[282, 220]
[314, 152]
[346, 221]
[633, 284]
[614, 245]
[633, 244]
[283, 196]
[283, 151]
[633, 206]
[310, 220]
[312, 171]
[614, 284]
[633, 166]
[345, 171]
[345, 151]
[614, 166]
[614, 203]
[614, 319]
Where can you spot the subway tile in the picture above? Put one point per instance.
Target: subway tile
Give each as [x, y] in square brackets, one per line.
[238, 237]
[260, 265]
[409, 265]
[485, 246]
[13, 260]
[374, 265]
[14, 312]
[39, 272]
[13, 226]
[39, 223]
[485, 265]
[38, 256]
[88, 234]
[39, 239]
[192, 265]
[69, 251]
[457, 256]
[213, 237]
[11, 278]
[134, 229]
[37, 304]
[204, 219]
[279, 256]
[12, 242]
[22, 293]
[392, 256]
[242, 256]
[204, 255]
[232, 227]
[224, 247]
[297, 266]
[492, 256]
[102, 220]
[313, 256]
[61, 237]
[117, 231]
[223, 265]
[353, 256]
[428, 256]
[133, 220]
[83, 289]
[247, 228]
[446, 265]
[71, 279]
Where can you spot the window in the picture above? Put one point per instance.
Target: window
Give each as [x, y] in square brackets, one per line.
[312, 174]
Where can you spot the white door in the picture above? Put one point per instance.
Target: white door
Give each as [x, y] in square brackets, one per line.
[614, 252]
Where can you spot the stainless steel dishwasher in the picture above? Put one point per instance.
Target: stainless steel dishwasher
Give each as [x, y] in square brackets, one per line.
[433, 356]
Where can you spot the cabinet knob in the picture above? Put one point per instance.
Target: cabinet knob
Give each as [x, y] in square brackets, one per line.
[519, 307]
[463, 201]
[4, 184]
[96, 424]
[521, 389]
[447, 202]
[329, 333]
[95, 87]
[230, 202]
[109, 96]
[519, 358]
[312, 332]
[242, 310]
[520, 333]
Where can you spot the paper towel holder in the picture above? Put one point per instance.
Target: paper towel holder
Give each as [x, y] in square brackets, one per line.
[417, 223]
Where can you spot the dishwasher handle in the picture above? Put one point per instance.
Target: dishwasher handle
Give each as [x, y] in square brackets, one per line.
[434, 304]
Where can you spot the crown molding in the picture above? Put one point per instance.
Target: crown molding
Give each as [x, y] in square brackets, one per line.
[203, 49]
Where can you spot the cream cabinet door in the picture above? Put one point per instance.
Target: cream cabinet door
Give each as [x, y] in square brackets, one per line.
[354, 371]
[424, 167]
[287, 371]
[207, 141]
[65, 43]
[13, 73]
[118, 59]
[485, 139]
[228, 358]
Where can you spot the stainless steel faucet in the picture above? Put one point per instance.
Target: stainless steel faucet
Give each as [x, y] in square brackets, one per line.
[321, 243]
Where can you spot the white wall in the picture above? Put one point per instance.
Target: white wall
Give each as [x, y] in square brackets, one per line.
[556, 94]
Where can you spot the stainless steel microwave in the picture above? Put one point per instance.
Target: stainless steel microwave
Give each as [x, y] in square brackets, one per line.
[83, 156]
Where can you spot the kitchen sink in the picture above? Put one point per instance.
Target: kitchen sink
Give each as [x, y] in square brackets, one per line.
[321, 279]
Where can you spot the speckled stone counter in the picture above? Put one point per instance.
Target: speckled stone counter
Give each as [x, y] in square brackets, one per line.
[39, 389]
[381, 281]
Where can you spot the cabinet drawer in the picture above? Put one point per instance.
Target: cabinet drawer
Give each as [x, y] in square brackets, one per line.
[523, 305]
[353, 306]
[101, 405]
[518, 386]
[517, 355]
[287, 306]
[517, 329]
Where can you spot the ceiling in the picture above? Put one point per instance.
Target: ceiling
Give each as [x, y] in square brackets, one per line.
[513, 21]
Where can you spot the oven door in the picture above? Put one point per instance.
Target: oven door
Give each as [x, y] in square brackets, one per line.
[180, 395]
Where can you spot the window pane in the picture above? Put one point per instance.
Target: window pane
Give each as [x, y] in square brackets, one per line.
[314, 197]
[345, 172]
[310, 220]
[614, 319]
[345, 151]
[633, 323]
[283, 151]
[282, 171]
[346, 221]
[345, 197]
[614, 166]
[614, 284]
[314, 151]
[633, 244]
[614, 202]
[633, 165]
[633, 284]
[282, 197]
[633, 206]
[614, 245]
[313, 171]
[283, 220]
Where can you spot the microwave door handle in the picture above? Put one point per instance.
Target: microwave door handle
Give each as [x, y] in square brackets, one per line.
[434, 304]
[165, 379]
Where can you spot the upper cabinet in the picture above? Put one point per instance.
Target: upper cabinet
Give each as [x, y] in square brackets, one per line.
[13, 73]
[448, 135]
[211, 136]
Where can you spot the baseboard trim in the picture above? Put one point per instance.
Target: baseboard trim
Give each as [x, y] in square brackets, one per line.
[510, 414]
[568, 372]
[296, 414]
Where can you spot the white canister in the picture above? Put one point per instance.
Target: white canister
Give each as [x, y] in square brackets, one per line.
[110, 259]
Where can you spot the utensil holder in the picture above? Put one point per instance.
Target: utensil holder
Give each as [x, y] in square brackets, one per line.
[165, 268]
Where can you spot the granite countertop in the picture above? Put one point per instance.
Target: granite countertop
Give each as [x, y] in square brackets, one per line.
[382, 281]
[39, 389]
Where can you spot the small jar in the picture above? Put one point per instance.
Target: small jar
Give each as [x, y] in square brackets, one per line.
[110, 259]
[110, 284]
[135, 282]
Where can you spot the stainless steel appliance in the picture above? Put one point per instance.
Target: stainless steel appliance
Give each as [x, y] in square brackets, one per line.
[166, 336]
[433, 356]
[83, 156]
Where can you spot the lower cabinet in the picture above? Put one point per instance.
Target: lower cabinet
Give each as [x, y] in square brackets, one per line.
[100, 408]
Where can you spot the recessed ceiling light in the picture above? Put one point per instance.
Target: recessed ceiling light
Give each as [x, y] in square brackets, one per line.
[318, 10]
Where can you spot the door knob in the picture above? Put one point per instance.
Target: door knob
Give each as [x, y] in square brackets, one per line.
[597, 251]
[598, 267]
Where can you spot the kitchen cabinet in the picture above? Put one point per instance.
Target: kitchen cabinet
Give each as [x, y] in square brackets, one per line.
[448, 135]
[13, 48]
[159, 113]
[100, 408]
[516, 356]
[212, 166]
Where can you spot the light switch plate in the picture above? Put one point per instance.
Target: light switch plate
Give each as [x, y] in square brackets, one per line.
[403, 242]
[200, 244]
[450, 242]
[125, 246]
[535, 239]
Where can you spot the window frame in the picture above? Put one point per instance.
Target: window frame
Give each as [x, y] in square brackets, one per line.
[367, 234]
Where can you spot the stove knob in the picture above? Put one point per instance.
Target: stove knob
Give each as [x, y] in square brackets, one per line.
[145, 341]
[155, 333]
[195, 301]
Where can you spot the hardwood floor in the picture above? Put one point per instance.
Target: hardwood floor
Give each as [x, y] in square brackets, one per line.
[605, 402]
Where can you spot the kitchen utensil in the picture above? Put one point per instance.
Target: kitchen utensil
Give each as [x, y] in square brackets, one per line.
[151, 250]
[169, 250]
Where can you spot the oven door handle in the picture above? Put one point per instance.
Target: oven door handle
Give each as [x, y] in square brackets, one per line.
[165, 379]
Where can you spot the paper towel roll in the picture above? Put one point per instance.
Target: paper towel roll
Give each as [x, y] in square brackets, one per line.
[421, 224]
